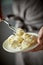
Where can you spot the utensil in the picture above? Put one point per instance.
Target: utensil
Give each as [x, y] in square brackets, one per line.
[9, 25]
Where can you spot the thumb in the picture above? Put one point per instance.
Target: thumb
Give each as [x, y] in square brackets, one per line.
[40, 36]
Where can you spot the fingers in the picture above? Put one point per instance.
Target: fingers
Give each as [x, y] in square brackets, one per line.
[40, 41]
[40, 36]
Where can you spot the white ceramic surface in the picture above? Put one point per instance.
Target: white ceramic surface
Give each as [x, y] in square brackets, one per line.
[5, 46]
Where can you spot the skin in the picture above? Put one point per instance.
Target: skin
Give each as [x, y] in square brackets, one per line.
[40, 41]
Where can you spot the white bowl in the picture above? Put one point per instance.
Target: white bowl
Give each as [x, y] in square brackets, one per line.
[5, 46]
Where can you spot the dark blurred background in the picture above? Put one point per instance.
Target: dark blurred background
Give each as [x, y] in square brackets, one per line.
[29, 58]
[5, 57]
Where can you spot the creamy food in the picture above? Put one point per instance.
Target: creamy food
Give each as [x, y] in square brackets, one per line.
[21, 40]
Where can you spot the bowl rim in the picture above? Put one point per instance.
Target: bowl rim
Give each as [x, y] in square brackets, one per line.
[26, 50]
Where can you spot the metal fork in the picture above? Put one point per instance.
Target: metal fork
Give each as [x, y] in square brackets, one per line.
[9, 25]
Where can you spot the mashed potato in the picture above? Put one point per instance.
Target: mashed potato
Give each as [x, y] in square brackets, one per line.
[26, 35]
[21, 40]
[19, 32]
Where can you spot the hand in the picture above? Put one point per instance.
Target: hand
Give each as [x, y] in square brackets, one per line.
[40, 41]
[40, 37]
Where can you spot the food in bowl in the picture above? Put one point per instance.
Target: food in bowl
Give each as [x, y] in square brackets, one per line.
[21, 40]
